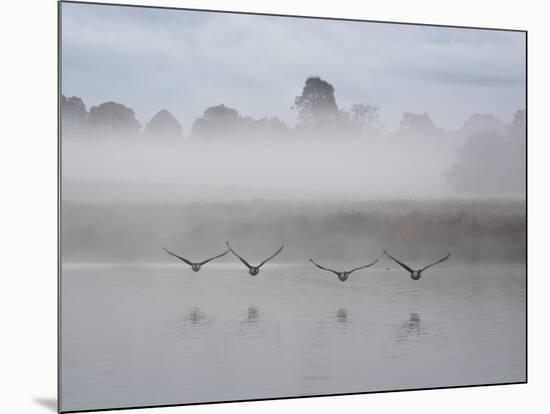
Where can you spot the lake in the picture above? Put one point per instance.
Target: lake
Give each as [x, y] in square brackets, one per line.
[154, 334]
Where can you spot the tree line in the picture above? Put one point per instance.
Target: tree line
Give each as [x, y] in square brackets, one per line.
[491, 158]
[112, 120]
[316, 110]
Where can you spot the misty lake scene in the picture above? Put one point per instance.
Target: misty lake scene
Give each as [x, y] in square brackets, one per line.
[259, 207]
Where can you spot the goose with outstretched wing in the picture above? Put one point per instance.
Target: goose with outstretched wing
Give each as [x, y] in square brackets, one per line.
[254, 270]
[343, 276]
[416, 273]
[196, 266]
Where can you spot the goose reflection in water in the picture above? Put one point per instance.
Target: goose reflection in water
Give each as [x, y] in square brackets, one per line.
[194, 317]
[413, 324]
[342, 316]
[252, 315]
[191, 324]
[254, 326]
[338, 321]
[410, 328]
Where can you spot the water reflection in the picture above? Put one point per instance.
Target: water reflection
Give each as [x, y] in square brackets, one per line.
[413, 324]
[252, 315]
[195, 317]
[342, 317]
[411, 328]
[253, 325]
[255, 337]
[191, 324]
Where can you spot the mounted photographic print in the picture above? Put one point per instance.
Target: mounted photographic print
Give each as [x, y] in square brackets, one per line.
[259, 206]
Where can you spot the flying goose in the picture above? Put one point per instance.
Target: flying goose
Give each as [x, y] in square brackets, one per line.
[416, 274]
[254, 270]
[195, 266]
[343, 276]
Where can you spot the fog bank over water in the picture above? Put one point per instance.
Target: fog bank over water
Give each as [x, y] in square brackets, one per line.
[188, 172]
[191, 171]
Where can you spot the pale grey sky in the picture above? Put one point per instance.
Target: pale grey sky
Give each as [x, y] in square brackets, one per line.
[183, 61]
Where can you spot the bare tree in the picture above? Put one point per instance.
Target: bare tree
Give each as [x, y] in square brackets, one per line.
[366, 119]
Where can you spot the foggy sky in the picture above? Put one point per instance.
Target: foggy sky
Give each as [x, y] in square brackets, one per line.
[150, 59]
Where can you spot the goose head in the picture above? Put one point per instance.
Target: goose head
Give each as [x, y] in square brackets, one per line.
[196, 267]
[254, 271]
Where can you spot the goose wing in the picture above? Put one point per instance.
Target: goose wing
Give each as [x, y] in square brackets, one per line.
[240, 258]
[403, 265]
[215, 257]
[324, 268]
[272, 256]
[362, 267]
[433, 264]
[179, 257]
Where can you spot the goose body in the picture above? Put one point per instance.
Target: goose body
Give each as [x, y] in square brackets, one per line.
[415, 273]
[254, 270]
[195, 266]
[343, 275]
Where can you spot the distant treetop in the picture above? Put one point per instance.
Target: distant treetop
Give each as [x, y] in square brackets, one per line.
[114, 120]
[222, 122]
[482, 122]
[164, 126]
[416, 123]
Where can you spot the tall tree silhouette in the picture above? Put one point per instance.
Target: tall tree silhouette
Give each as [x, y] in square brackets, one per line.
[316, 105]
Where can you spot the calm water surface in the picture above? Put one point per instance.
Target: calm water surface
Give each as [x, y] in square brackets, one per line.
[149, 334]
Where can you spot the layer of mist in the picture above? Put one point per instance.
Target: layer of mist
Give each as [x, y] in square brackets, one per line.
[226, 171]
